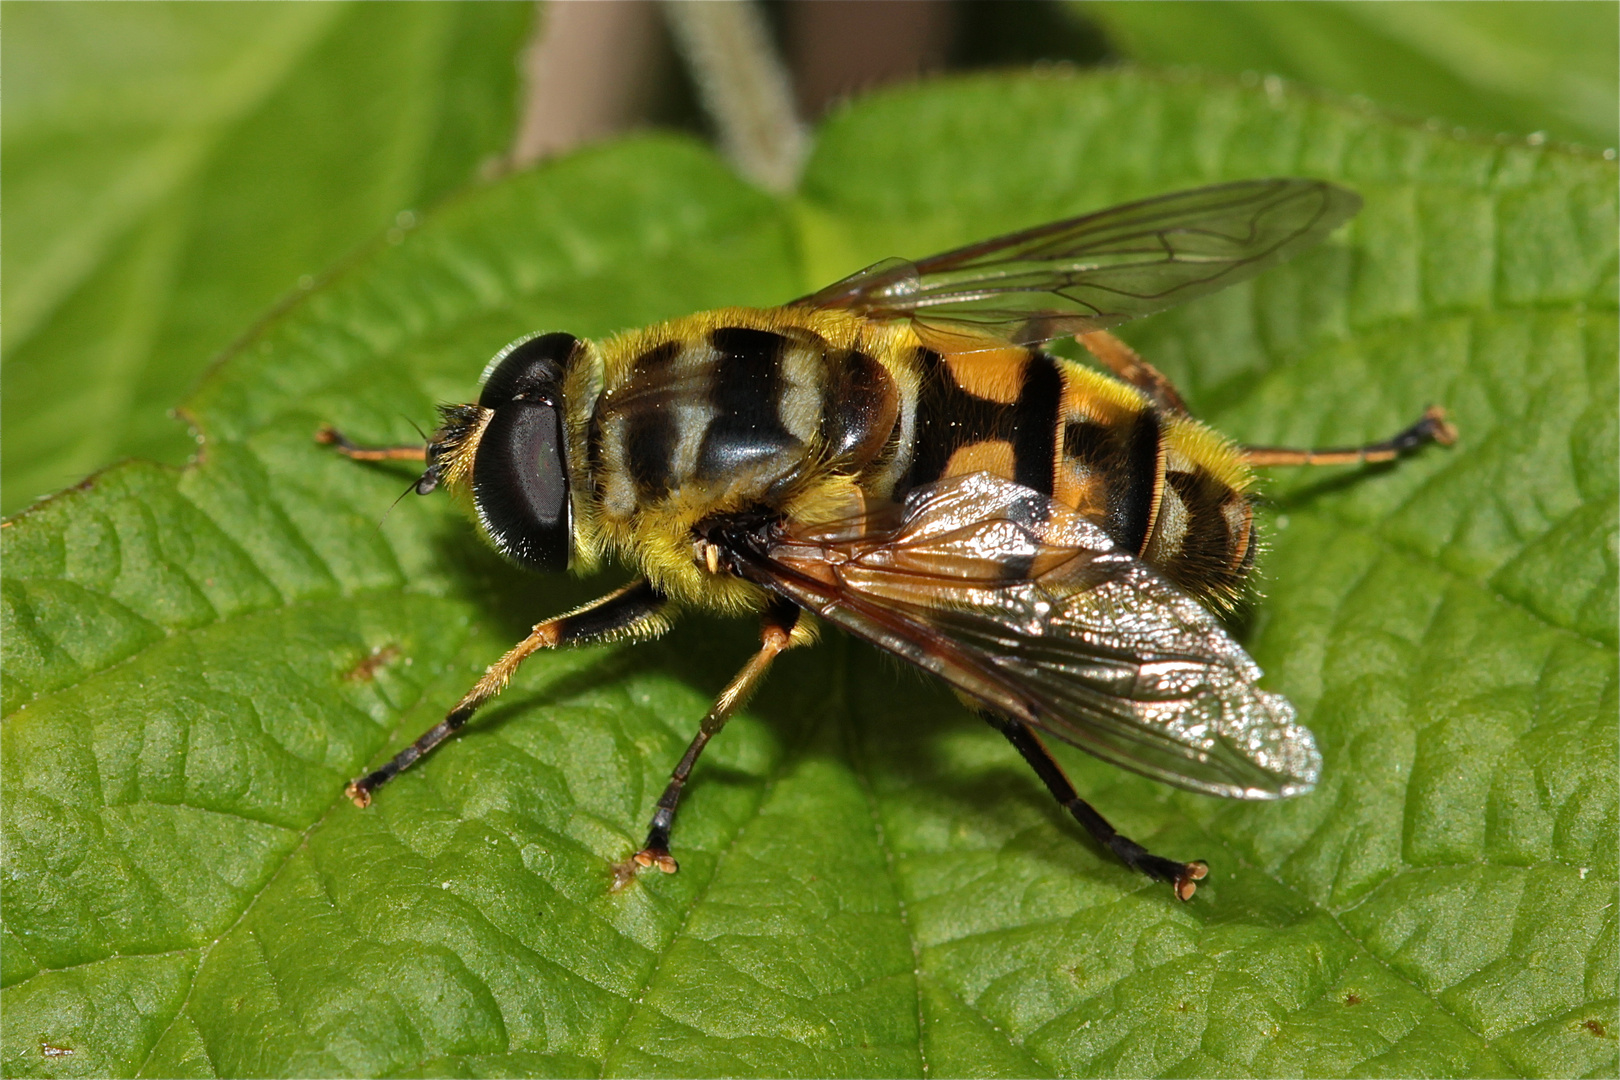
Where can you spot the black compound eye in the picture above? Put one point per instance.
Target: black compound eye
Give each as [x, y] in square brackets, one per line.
[527, 368]
[520, 485]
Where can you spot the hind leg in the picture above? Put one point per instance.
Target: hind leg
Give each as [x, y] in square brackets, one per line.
[1184, 876]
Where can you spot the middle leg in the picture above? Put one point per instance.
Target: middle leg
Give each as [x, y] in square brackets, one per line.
[780, 629]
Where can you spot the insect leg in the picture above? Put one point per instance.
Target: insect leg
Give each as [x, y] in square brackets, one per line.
[1433, 427]
[1123, 361]
[331, 436]
[634, 611]
[776, 635]
[1183, 875]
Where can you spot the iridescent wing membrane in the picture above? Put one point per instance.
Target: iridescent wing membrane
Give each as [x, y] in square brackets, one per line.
[1022, 604]
[1097, 271]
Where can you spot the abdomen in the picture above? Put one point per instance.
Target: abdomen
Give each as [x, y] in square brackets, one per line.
[1162, 485]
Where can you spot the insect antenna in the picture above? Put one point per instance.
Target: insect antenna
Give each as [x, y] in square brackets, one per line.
[401, 497]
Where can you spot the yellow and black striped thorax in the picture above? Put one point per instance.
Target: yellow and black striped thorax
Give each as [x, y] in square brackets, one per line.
[744, 410]
[738, 409]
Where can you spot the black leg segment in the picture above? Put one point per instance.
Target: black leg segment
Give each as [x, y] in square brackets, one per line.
[1183, 875]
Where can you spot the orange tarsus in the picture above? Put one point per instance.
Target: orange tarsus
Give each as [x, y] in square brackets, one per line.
[649, 857]
[327, 435]
[1197, 871]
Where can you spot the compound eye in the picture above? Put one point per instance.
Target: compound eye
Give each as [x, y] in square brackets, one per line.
[527, 367]
[520, 485]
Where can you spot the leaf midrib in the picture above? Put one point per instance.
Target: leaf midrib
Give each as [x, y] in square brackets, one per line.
[838, 702]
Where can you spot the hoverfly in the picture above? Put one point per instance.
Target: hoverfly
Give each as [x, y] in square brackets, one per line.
[896, 455]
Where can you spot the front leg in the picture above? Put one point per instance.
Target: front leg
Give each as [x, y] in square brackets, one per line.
[637, 610]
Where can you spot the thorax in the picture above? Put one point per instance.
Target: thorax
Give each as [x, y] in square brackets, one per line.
[737, 410]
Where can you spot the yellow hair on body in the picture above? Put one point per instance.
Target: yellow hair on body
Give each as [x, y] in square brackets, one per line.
[841, 329]
[1202, 445]
[1097, 394]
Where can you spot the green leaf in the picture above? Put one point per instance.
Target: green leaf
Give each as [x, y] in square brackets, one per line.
[871, 883]
[171, 170]
[1517, 67]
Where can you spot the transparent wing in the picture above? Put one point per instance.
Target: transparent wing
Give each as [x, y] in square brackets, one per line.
[1097, 271]
[1024, 605]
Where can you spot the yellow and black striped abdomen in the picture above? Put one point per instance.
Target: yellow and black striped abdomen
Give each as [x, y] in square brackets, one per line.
[1163, 486]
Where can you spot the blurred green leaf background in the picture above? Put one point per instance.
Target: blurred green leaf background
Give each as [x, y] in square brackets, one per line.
[195, 660]
[170, 172]
[1515, 68]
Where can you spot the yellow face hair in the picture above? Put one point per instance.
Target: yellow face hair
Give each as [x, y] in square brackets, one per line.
[453, 445]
